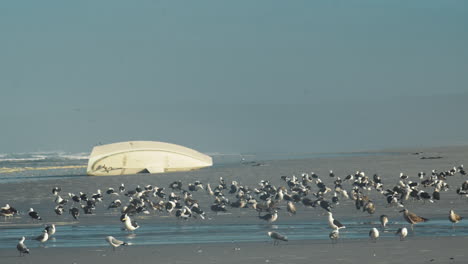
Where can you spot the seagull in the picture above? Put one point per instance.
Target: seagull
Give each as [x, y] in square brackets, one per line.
[60, 200]
[403, 176]
[59, 209]
[34, 215]
[128, 223]
[383, 221]
[8, 211]
[50, 229]
[454, 218]
[75, 198]
[334, 236]
[115, 242]
[421, 175]
[270, 218]
[56, 190]
[277, 237]
[115, 204]
[21, 247]
[403, 232]
[374, 234]
[334, 224]
[111, 191]
[170, 205]
[6, 207]
[75, 212]
[412, 218]
[291, 208]
[122, 188]
[43, 237]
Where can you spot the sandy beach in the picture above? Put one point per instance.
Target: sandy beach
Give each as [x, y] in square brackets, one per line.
[445, 246]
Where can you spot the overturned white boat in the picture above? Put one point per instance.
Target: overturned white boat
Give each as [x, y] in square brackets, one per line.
[133, 157]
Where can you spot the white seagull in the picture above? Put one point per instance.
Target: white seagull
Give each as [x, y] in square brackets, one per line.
[374, 234]
[115, 243]
[50, 229]
[128, 223]
[383, 221]
[403, 232]
[43, 237]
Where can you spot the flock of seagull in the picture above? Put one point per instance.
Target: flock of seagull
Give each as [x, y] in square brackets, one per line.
[265, 198]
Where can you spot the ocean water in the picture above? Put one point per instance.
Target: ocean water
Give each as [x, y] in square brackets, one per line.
[16, 167]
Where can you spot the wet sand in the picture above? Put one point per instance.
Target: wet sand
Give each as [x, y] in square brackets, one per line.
[37, 194]
[435, 250]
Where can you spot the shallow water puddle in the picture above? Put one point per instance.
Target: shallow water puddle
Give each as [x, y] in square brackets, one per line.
[159, 234]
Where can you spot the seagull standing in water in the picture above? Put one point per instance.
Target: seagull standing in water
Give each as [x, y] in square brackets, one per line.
[50, 229]
[383, 221]
[403, 232]
[334, 224]
[374, 234]
[128, 223]
[277, 237]
[454, 218]
[21, 247]
[115, 243]
[43, 237]
[291, 208]
[34, 215]
[270, 218]
[412, 218]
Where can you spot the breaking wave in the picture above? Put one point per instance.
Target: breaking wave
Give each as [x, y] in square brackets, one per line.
[42, 156]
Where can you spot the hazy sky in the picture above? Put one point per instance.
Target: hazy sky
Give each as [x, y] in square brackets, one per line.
[233, 76]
